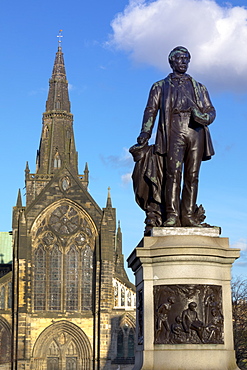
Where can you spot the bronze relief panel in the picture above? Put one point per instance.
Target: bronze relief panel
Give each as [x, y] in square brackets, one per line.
[188, 313]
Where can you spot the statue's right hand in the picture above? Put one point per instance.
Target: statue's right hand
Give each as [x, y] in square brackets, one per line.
[143, 138]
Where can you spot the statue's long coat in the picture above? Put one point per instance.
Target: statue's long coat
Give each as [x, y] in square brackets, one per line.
[148, 178]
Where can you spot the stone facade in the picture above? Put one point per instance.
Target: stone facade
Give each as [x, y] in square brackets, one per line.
[68, 303]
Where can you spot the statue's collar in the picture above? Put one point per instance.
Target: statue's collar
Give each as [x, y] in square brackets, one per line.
[173, 76]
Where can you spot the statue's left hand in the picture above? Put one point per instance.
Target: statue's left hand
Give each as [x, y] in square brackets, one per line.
[199, 117]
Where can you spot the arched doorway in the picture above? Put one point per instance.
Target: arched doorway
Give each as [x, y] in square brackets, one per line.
[62, 346]
[5, 342]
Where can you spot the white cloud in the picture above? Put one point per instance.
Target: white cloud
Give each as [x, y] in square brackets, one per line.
[241, 244]
[126, 154]
[126, 178]
[215, 35]
[123, 160]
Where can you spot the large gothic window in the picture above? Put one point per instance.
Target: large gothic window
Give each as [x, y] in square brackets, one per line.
[125, 341]
[126, 344]
[63, 249]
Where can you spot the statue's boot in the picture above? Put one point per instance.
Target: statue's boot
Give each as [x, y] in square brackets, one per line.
[172, 221]
[172, 197]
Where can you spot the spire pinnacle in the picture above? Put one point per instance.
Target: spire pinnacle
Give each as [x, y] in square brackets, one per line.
[27, 170]
[109, 203]
[19, 201]
[58, 96]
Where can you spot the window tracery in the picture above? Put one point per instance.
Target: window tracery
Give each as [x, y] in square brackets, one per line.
[63, 260]
[52, 363]
[6, 296]
[71, 349]
[87, 276]
[116, 294]
[64, 220]
[72, 279]
[71, 363]
[55, 279]
[128, 297]
[122, 296]
[53, 349]
[125, 340]
[40, 278]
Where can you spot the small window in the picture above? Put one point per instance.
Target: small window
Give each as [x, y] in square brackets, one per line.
[57, 161]
[2, 298]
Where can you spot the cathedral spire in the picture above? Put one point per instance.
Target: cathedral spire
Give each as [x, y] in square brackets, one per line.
[57, 145]
[58, 97]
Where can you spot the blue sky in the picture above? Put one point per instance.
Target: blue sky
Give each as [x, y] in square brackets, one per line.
[114, 50]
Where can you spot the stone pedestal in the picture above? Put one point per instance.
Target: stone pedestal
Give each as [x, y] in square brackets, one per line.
[173, 268]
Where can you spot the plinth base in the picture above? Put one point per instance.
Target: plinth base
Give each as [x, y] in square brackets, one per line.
[184, 315]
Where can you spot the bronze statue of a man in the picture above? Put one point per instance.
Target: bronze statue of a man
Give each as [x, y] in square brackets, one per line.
[182, 142]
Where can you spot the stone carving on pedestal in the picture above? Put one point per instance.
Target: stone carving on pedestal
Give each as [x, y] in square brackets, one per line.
[140, 316]
[188, 314]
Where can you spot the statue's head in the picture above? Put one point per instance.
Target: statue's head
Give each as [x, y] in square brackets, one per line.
[192, 306]
[179, 59]
[171, 300]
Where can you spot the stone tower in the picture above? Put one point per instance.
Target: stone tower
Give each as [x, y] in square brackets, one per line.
[72, 303]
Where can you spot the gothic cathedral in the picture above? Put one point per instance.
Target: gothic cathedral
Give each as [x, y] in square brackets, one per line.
[67, 303]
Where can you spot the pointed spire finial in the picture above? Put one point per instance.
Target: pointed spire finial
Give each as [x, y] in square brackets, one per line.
[19, 201]
[60, 39]
[27, 170]
[108, 203]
